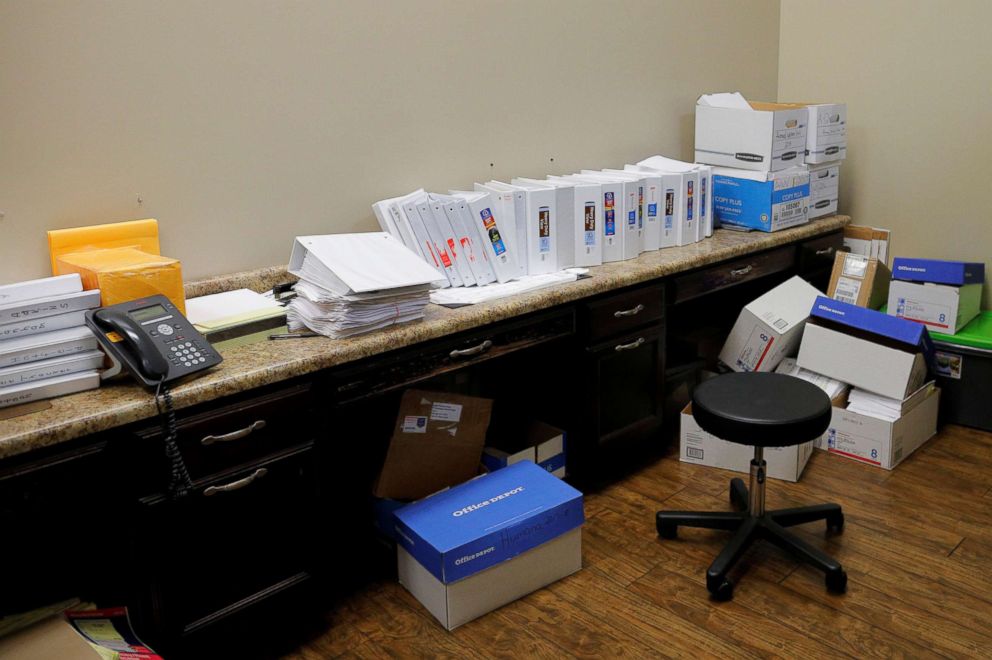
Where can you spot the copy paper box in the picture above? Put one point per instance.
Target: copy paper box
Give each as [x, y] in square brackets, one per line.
[943, 308]
[769, 328]
[766, 201]
[473, 548]
[877, 441]
[536, 442]
[826, 132]
[766, 138]
[437, 442]
[824, 189]
[124, 274]
[701, 448]
[937, 271]
[859, 280]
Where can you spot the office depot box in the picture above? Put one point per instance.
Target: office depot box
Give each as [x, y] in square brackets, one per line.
[824, 189]
[536, 442]
[437, 442]
[826, 132]
[881, 442]
[769, 328]
[766, 201]
[766, 137]
[701, 448]
[943, 308]
[125, 273]
[859, 280]
[478, 546]
[936, 271]
[964, 372]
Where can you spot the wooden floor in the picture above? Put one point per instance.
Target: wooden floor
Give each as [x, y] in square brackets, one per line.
[917, 547]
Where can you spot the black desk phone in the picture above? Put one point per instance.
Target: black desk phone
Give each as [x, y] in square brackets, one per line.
[152, 339]
[158, 345]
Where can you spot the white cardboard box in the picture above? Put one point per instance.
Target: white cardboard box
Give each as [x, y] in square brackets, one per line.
[766, 201]
[824, 189]
[826, 132]
[701, 448]
[877, 441]
[861, 363]
[942, 308]
[767, 137]
[769, 328]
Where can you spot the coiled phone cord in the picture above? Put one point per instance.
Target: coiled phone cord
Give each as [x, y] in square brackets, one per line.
[180, 483]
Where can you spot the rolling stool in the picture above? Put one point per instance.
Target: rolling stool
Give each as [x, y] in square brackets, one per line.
[764, 410]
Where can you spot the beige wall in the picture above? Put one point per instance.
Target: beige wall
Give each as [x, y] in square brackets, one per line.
[241, 123]
[917, 80]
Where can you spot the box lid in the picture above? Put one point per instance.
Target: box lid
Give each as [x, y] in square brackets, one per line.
[913, 335]
[977, 334]
[488, 520]
[786, 306]
[937, 271]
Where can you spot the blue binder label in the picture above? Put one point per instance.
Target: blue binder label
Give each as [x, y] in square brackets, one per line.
[489, 222]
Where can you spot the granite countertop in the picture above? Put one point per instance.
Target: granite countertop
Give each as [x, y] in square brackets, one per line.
[256, 365]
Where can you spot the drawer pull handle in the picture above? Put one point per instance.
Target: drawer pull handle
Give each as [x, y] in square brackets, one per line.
[236, 485]
[825, 251]
[633, 311]
[741, 272]
[234, 435]
[475, 350]
[632, 345]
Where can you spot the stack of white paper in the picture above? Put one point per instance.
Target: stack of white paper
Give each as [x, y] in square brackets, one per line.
[355, 283]
[44, 340]
[832, 387]
[460, 297]
[868, 403]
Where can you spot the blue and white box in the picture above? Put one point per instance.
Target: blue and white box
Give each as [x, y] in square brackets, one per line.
[955, 273]
[766, 201]
[536, 442]
[475, 547]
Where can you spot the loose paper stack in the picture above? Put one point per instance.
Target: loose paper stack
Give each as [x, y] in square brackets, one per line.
[235, 318]
[355, 283]
[882, 407]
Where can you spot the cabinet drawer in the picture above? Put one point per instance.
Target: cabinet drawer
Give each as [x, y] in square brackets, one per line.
[733, 272]
[818, 254]
[619, 313]
[221, 438]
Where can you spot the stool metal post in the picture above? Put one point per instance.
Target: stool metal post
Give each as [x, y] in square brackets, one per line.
[756, 492]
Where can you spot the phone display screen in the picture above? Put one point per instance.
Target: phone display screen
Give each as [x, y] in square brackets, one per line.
[148, 313]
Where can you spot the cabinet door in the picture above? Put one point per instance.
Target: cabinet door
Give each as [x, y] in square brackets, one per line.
[624, 387]
[238, 540]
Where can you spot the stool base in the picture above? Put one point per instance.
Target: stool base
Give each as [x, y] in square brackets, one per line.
[747, 528]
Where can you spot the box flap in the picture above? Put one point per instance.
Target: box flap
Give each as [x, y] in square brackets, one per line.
[488, 520]
[786, 306]
[140, 234]
[957, 273]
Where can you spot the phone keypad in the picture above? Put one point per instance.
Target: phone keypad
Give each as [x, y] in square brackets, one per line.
[187, 354]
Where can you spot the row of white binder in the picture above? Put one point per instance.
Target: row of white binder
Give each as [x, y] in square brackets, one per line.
[502, 231]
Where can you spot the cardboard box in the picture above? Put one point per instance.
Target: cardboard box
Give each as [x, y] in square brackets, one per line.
[437, 442]
[943, 308]
[769, 328]
[824, 189]
[879, 442]
[859, 280]
[955, 273]
[766, 137]
[826, 132]
[123, 274]
[867, 241]
[536, 442]
[701, 448]
[473, 548]
[766, 201]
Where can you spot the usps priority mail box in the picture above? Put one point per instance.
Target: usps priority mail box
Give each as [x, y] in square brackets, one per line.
[487, 542]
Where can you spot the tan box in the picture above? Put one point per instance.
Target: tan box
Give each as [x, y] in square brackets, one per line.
[859, 280]
[437, 443]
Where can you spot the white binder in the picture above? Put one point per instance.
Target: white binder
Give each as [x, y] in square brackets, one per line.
[441, 259]
[505, 202]
[629, 222]
[610, 193]
[486, 217]
[587, 220]
[651, 205]
[451, 239]
[460, 218]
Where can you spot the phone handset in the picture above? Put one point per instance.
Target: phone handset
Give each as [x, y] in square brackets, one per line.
[153, 365]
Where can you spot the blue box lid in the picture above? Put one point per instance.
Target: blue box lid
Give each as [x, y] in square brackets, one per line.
[488, 520]
[902, 331]
[957, 273]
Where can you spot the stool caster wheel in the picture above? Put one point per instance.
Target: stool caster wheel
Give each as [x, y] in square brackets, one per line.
[837, 582]
[667, 530]
[836, 523]
[722, 590]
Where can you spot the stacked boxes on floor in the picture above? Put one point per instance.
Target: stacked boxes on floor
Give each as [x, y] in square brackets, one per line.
[46, 350]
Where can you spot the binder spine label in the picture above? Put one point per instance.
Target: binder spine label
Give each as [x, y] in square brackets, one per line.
[609, 211]
[544, 229]
[590, 224]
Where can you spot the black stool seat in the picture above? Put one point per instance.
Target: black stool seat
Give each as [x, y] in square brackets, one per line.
[761, 409]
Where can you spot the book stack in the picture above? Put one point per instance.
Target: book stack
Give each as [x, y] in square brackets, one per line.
[355, 283]
[46, 349]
